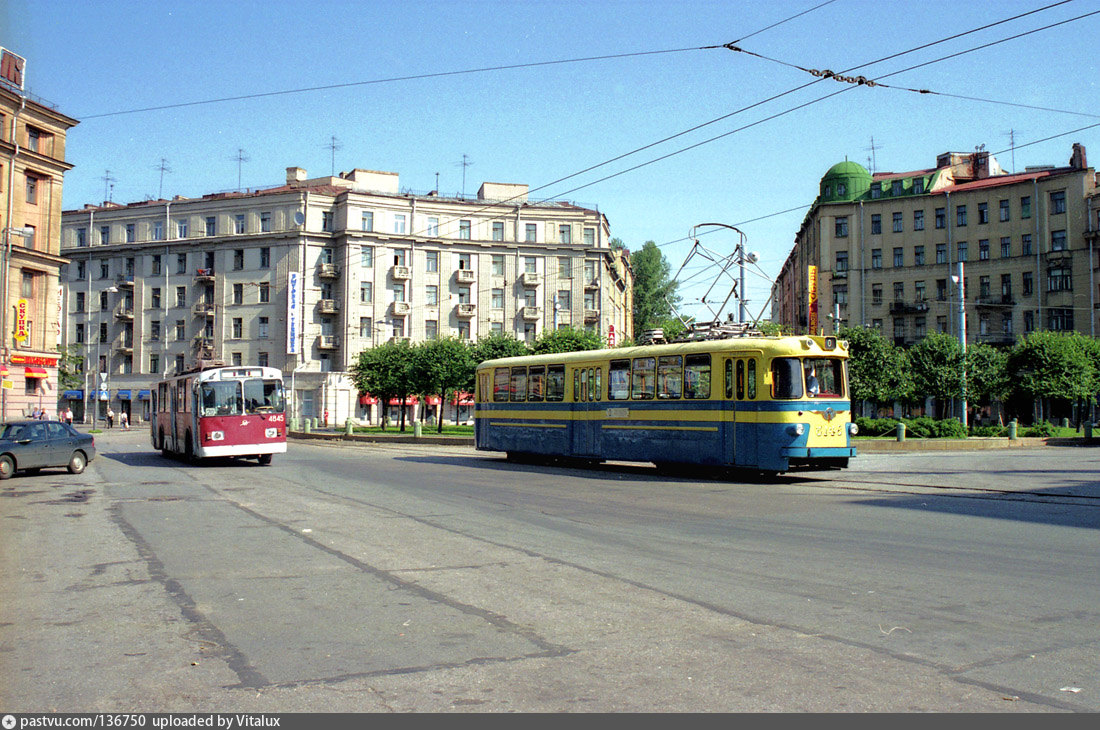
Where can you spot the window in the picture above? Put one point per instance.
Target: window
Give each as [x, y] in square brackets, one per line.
[589, 236]
[670, 377]
[643, 380]
[1060, 278]
[239, 223]
[1005, 215]
[899, 257]
[366, 257]
[154, 298]
[368, 221]
[590, 300]
[941, 324]
[899, 291]
[464, 229]
[265, 222]
[154, 364]
[399, 293]
[432, 262]
[365, 328]
[103, 333]
[261, 328]
[565, 268]
[398, 223]
[238, 328]
[1061, 319]
[530, 265]
[104, 269]
[497, 264]
[326, 221]
[211, 225]
[1029, 321]
[983, 249]
[32, 190]
[786, 378]
[983, 287]
[262, 359]
[564, 300]
[895, 187]
[158, 230]
[960, 216]
[841, 262]
[941, 253]
[941, 218]
[131, 233]
[498, 230]
[433, 226]
[1028, 283]
[265, 293]
[876, 258]
[463, 330]
[181, 332]
[918, 256]
[840, 295]
[80, 301]
[1006, 247]
[983, 213]
[237, 359]
[431, 295]
[399, 257]
[919, 328]
[81, 237]
[840, 226]
[529, 234]
[530, 298]
[104, 235]
[876, 294]
[565, 233]
[181, 263]
[238, 259]
[431, 329]
[1006, 323]
[1057, 240]
[918, 220]
[963, 251]
[238, 293]
[497, 299]
[918, 185]
[181, 296]
[898, 226]
[941, 289]
[1058, 202]
[1025, 206]
[1006, 287]
[876, 190]
[366, 292]
[876, 223]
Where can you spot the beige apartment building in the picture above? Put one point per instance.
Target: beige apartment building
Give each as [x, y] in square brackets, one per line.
[306, 275]
[32, 168]
[884, 251]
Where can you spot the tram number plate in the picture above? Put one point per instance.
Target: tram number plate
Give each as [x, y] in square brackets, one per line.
[827, 430]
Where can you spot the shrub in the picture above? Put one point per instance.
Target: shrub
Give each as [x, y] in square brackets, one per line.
[876, 426]
[988, 431]
[1041, 429]
[949, 428]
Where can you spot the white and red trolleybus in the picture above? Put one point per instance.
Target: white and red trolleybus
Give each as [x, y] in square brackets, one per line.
[209, 412]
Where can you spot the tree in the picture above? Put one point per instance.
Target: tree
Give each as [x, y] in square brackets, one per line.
[1049, 365]
[986, 374]
[443, 366]
[69, 367]
[498, 345]
[655, 296]
[386, 372]
[566, 339]
[878, 371]
[936, 363]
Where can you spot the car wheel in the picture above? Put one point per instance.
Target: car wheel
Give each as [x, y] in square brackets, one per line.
[264, 459]
[7, 467]
[77, 462]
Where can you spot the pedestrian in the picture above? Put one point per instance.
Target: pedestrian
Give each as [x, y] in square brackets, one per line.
[34, 414]
[69, 416]
[124, 420]
[110, 418]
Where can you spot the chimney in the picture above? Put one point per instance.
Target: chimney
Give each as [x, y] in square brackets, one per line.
[1078, 161]
[295, 175]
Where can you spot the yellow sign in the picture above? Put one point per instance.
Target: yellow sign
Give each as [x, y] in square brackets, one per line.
[9, 384]
[21, 320]
[812, 289]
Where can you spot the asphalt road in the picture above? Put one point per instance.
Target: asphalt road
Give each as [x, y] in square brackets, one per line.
[399, 578]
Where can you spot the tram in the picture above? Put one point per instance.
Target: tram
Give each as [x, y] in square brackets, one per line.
[763, 403]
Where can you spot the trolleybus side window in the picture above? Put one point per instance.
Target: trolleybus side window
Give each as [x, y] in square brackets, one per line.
[555, 383]
[670, 376]
[535, 380]
[643, 378]
[697, 377]
[519, 384]
[786, 378]
[501, 378]
[618, 384]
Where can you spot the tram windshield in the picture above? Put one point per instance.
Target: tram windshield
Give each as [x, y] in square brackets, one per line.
[234, 397]
[816, 377]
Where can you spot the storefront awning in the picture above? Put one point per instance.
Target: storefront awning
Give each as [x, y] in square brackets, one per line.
[145, 394]
[412, 400]
[4, 371]
[366, 399]
[124, 395]
[73, 395]
[35, 372]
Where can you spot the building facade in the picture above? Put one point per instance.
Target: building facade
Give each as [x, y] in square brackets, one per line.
[305, 276]
[887, 250]
[32, 169]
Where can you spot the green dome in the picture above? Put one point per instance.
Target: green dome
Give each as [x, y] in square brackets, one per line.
[845, 181]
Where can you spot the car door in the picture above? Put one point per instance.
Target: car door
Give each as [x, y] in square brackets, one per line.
[61, 444]
[33, 446]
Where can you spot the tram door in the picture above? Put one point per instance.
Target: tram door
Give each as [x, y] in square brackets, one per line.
[587, 401]
[741, 380]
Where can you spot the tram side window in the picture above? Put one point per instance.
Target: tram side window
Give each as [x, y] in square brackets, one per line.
[596, 379]
[519, 384]
[670, 376]
[555, 383]
[729, 379]
[697, 377]
[750, 379]
[618, 382]
[536, 378]
[501, 380]
[643, 378]
[786, 378]
[740, 380]
[829, 374]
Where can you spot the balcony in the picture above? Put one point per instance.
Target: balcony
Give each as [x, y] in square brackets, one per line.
[531, 314]
[124, 313]
[203, 309]
[203, 346]
[400, 338]
[328, 306]
[401, 309]
[328, 342]
[591, 315]
[125, 348]
[593, 283]
[995, 300]
[126, 281]
[400, 273]
[531, 278]
[204, 276]
[465, 276]
[328, 271]
[998, 338]
[466, 311]
[899, 307]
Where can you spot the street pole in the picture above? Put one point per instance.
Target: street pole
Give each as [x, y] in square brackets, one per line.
[961, 278]
[25, 232]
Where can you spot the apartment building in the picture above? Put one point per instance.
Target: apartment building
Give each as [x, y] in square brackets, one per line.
[886, 250]
[32, 169]
[306, 275]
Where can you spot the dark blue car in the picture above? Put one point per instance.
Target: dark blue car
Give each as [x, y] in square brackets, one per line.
[33, 445]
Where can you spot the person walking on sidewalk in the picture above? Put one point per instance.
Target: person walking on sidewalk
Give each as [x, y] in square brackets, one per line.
[110, 418]
[124, 420]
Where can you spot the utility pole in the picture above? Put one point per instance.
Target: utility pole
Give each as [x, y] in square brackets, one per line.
[960, 279]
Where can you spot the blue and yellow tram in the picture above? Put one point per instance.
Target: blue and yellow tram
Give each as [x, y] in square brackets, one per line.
[761, 403]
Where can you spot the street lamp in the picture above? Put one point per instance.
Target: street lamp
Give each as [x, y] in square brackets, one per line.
[25, 232]
[960, 279]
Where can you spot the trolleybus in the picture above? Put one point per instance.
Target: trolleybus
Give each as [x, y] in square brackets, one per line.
[220, 411]
[763, 403]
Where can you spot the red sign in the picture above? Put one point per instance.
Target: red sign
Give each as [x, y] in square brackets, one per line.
[611, 335]
[18, 359]
[11, 67]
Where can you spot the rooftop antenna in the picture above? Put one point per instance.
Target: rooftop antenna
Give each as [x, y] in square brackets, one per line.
[241, 158]
[872, 159]
[1012, 145]
[108, 185]
[333, 145]
[163, 167]
[464, 164]
[437, 182]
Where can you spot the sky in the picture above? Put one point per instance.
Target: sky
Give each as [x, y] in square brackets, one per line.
[679, 130]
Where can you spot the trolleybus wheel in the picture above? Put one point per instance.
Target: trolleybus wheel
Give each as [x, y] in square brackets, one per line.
[264, 459]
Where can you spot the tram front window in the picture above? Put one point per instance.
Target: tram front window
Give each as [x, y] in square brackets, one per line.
[263, 396]
[786, 378]
[824, 377]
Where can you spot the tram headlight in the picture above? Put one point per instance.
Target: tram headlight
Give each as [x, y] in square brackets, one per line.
[853, 429]
[796, 429]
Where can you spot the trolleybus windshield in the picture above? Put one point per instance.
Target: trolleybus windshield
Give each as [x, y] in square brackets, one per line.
[234, 397]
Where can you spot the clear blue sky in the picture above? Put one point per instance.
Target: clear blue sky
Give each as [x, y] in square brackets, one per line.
[538, 124]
